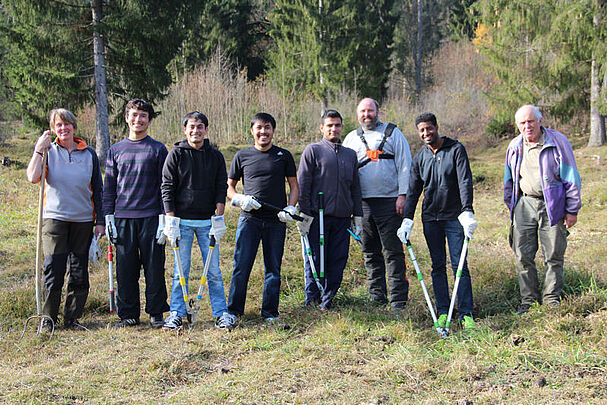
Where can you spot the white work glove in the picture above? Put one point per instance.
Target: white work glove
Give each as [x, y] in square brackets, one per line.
[171, 229]
[357, 226]
[404, 232]
[245, 202]
[94, 250]
[468, 222]
[284, 214]
[304, 226]
[110, 229]
[160, 237]
[218, 227]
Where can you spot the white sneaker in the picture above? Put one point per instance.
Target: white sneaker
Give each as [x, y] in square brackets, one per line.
[173, 321]
[271, 320]
[225, 321]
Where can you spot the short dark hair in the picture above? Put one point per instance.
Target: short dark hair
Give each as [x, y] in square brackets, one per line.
[330, 114]
[265, 118]
[426, 117]
[140, 104]
[196, 115]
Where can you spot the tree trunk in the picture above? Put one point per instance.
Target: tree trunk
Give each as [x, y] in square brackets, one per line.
[101, 108]
[597, 120]
[418, 56]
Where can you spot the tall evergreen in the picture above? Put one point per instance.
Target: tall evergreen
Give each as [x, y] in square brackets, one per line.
[50, 54]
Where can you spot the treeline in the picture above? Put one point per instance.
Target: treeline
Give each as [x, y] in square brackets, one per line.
[77, 53]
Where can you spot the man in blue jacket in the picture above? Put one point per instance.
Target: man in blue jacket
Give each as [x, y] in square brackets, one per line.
[442, 171]
[332, 169]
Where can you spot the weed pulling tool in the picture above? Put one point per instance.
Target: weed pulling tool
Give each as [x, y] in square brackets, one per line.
[182, 281]
[39, 315]
[357, 238]
[321, 230]
[275, 208]
[110, 270]
[458, 276]
[305, 242]
[194, 304]
[420, 277]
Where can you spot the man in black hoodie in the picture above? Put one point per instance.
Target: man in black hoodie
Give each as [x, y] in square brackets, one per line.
[442, 171]
[194, 187]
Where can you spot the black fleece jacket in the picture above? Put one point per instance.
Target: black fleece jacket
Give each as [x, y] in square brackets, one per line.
[194, 181]
[446, 180]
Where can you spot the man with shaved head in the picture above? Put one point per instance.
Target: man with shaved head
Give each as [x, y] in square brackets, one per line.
[384, 160]
[542, 191]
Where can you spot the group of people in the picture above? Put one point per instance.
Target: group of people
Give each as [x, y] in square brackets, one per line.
[368, 186]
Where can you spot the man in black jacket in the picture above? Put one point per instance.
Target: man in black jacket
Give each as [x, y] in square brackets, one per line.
[442, 171]
[194, 187]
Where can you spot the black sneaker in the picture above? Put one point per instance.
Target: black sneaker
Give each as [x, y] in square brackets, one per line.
[523, 309]
[126, 323]
[156, 321]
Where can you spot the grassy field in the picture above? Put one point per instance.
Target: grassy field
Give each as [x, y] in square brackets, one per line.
[356, 354]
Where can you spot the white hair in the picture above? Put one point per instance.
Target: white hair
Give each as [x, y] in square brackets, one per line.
[535, 109]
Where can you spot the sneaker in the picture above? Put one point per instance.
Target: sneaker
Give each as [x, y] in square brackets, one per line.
[156, 321]
[468, 322]
[126, 323]
[554, 304]
[46, 326]
[442, 321]
[173, 322]
[271, 320]
[523, 309]
[225, 321]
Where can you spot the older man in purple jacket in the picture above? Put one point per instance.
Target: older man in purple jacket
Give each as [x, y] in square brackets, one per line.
[332, 169]
[542, 191]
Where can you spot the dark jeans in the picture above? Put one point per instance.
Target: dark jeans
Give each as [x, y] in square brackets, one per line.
[249, 233]
[337, 247]
[65, 242]
[137, 247]
[383, 252]
[435, 233]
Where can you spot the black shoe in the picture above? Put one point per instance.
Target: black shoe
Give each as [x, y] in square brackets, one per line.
[523, 309]
[156, 321]
[46, 326]
[72, 324]
[127, 322]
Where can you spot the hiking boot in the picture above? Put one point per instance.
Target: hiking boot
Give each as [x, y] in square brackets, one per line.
[72, 324]
[46, 326]
[225, 321]
[156, 321]
[442, 321]
[126, 323]
[468, 322]
[173, 322]
[523, 309]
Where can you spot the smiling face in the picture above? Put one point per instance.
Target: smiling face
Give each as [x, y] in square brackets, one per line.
[138, 122]
[428, 133]
[64, 130]
[195, 131]
[528, 124]
[331, 129]
[366, 112]
[262, 133]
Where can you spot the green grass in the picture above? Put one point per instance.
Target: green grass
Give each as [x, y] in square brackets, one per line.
[356, 354]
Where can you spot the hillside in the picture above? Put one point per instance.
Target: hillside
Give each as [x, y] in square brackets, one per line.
[355, 354]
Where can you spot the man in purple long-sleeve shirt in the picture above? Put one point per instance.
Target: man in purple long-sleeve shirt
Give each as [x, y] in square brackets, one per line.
[332, 169]
[132, 204]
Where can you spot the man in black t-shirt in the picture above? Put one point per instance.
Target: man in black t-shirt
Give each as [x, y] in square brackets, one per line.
[263, 169]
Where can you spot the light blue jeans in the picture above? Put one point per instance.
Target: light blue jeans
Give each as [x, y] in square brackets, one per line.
[200, 228]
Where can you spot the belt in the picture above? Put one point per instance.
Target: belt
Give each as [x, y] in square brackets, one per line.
[537, 197]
